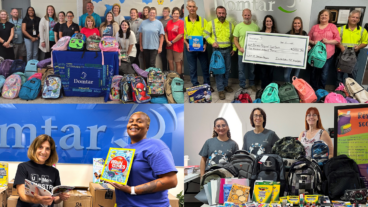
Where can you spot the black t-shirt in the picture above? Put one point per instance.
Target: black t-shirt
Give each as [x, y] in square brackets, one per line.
[304, 33]
[57, 29]
[5, 31]
[32, 24]
[45, 176]
[68, 31]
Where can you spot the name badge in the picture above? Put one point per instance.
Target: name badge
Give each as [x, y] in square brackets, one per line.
[16, 36]
[34, 32]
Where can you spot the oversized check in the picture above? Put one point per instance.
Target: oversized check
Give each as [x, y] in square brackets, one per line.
[276, 49]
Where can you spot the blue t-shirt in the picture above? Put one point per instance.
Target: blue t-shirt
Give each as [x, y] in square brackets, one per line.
[151, 31]
[95, 16]
[107, 31]
[52, 24]
[152, 158]
[17, 30]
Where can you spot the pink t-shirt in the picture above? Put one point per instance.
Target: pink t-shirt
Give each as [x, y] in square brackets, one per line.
[330, 33]
[88, 32]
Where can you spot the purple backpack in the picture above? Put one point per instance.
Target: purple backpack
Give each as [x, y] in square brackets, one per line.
[5, 67]
[351, 100]
[140, 72]
[44, 63]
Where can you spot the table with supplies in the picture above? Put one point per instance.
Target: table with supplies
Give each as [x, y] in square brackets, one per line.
[82, 72]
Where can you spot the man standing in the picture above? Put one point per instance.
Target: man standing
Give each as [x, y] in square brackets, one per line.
[90, 12]
[219, 34]
[18, 42]
[240, 33]
[194, 25]
[165, 18]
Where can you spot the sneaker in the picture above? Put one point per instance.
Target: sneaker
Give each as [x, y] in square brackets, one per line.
[222, 95]
[229, 89]
[212, 90]
[254, 88]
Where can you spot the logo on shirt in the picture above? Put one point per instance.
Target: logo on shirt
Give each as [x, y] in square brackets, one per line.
[175, 28]
[35, 177]
[45, 179]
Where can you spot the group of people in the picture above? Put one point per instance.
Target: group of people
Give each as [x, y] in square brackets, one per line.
[21, 38]
[260, 140]
[223, 36]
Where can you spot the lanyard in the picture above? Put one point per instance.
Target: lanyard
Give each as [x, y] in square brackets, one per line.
[16, 23]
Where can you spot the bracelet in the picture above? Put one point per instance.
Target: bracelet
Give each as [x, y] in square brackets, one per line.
[171, 42]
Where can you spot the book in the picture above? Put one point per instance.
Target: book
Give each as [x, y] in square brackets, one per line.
[118, 164]
[98, 164]
[239, 194]
[3, 175]
[195, 43]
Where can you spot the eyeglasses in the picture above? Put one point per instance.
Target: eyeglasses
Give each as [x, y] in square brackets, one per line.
[258, 116]
[221, 126]
[310, 115]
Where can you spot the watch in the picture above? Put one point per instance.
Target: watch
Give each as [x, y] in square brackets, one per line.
[132, 192]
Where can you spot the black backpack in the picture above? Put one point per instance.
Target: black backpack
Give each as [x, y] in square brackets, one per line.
[17, 66]
[259, 94]
[222, 170]
[342, 173]
[242, 161]
[272, 169]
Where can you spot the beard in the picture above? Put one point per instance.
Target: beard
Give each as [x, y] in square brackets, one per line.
[221, 19]
[246, 21]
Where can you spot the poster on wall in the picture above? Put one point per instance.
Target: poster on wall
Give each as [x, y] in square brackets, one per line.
[351, 135]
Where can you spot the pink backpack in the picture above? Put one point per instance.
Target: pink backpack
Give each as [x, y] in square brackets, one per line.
[335, 98]
[341, 87]
[108, 44]
[12, 86]
[62, 44]
[115, 88]
[305, 91]
[36, 75]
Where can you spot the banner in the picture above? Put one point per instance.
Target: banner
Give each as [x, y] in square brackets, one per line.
[85, 131]
[351, 135]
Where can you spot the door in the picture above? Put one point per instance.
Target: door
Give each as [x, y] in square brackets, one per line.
[21, 5]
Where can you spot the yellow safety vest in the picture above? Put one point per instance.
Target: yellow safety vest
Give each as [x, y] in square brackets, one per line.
[194, 29]
[222, 33]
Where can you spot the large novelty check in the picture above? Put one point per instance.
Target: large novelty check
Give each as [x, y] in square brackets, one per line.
[276, 49]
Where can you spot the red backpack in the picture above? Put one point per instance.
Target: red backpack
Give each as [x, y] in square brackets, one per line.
[305, 91]
[245, 98]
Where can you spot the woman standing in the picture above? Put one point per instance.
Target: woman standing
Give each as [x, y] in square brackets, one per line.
[145, 12]
[127, 41]
[269, 26]
[153, 171]
[109, 27]
[69, 28]
[116, 11]
[6, 36]
[42, 155]
[30, 26]
[259, 140]
[174, 33]
[47, 36]
[135, 23]
[219, 148]
[57, 25]
[314, 132]
[327, 33]
[151, 37]
[182, 13]
[89, 27]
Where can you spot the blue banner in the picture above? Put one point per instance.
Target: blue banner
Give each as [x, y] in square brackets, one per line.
[85, 131]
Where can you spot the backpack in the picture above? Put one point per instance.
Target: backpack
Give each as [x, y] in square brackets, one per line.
[139, 71]
[156, 83]
[2, 81]
[115, 88]
[259, 94]
[22, 77]
[343, 123]
[5, 67]
[218, 171]
[305, 177]
[271, 94]
[48, 71]
[93, 43]
[217, 64]
[139, 87]
[17, 66]
[243, 163]
[320, 152]
[62, 44]
[317, 56]
[159, 100]
[200, 94]
[36, 75]
[342, 88]
[288, 148]
[271, 169]
[258, 100]
[335, 98]
[355, 90]
[321, 93]
[77, 42]
[242, 96]
[342, 173]
[108, 44]
[52, 87]
[126, 89]
[31, 68]
[177, 89]
[44, 63]
[288, 94]
[30, 89]
[1, 59]
[305, 91]
[351, 100]
[168, 90]
[346, 61]
[341, 93]
[12, 86]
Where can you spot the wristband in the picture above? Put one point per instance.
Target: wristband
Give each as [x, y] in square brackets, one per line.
[171, 42]
[132, 192]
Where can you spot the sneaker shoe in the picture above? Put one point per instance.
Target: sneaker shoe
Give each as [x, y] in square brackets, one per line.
[254, 88]
[222, 95]
[212, 90]
[229, 89]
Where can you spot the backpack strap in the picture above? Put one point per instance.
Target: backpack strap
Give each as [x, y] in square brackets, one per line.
[320, 133]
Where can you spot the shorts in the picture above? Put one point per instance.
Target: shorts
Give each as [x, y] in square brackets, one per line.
[175, 56]
[19, 50]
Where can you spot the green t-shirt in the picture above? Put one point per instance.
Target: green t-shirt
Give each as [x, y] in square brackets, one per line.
[240, 32]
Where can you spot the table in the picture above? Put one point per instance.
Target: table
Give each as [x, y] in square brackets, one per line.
[82, 72]
[190, 179]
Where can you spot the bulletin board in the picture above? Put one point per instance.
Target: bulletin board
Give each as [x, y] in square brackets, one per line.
[340, 14]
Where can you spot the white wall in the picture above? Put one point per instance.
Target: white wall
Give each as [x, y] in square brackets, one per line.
[60, 5]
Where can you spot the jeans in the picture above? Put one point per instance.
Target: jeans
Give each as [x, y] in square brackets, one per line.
[287, 74]
[319, 75]
[223, 80]
[32, 49]
[267, 75]
[163, 55]
[150, 58]
[192, 58]
[245, 68]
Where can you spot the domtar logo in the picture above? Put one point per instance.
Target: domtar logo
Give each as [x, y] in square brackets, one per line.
[287, 11]
[84, 75]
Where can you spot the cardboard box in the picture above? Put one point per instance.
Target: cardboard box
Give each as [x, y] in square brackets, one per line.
[43, 70]
[3, 196]
[99, 196]
[12, 201]
[78, 198]
[12, 191]
[174, 202]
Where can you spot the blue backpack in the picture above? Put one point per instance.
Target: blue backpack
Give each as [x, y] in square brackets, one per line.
[30, 89]
[317, 56]
[77, 42]
[31, 68]
[320, 152]
[258, 100]
[159, 100]
[217, 64]
[2, 81]
[271, 94]
[321, 93]
[17, 66]
[177, 90]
